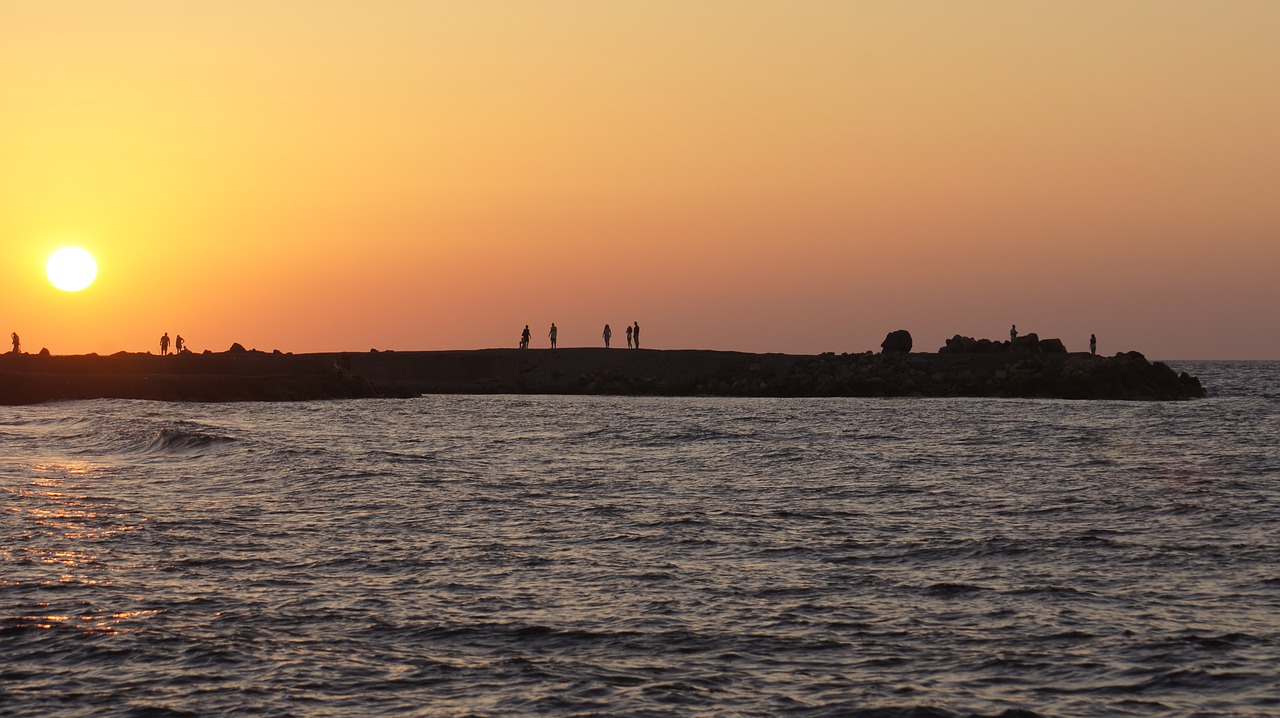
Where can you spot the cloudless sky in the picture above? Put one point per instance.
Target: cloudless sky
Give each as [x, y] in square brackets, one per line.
[760, 176]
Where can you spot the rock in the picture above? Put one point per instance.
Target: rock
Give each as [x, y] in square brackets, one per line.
[1026, 344]
[896, 342]
[237, 348]
[1052, 346]
[969, 345]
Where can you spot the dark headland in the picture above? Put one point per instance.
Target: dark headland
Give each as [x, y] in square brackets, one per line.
[964, 367]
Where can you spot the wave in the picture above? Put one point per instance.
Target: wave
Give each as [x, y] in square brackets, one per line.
[182, 441]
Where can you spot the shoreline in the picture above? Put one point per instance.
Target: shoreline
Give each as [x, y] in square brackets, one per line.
[261, 376]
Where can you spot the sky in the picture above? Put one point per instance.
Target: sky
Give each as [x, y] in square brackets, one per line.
[790, 176]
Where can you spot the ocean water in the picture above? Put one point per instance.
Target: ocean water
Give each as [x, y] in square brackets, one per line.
[543, 555]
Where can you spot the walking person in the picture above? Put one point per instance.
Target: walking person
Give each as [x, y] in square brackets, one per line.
[628, 336]
[607, 334]
[635, 334]
[552, 335]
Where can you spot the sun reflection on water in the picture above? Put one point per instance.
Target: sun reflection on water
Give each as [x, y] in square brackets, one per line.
[88, 623]
[63, 535]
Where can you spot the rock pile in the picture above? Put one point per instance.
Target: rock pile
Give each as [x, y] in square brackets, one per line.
[1026, 344]
[1059, 375]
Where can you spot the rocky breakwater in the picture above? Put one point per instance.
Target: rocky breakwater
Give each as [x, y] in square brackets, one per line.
[1030, 371]
[1027, 367]
[1127, 376]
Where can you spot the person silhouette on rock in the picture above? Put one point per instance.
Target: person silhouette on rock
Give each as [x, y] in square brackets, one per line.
[552, 335]
[178, 345]
[17, 343]
[1093, 344]
[628, 336]
[607, 334]
[164, 344]
[524, 337]
[635, 334]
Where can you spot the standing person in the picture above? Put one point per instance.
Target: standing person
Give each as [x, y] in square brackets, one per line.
[628, 336]
[17, 343]
[164, 344]
[1013, 336]
[1093, 344]
[607, 333]
[552, 335]
[635, 334]
[524, 337]
[178, 344]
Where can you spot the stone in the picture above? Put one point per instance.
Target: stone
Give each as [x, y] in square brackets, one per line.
[896, 342]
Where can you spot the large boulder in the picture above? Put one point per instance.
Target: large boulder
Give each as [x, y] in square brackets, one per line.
[897, 342]
[1025, 344]
[237, 348]
[1052, 346]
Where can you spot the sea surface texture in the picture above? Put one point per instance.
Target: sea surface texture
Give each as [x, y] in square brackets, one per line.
[542, 555]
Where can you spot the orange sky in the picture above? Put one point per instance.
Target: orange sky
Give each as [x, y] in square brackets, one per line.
[760, 176]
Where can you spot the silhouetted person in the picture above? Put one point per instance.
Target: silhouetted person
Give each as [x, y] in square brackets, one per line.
[635, 334]
[164, 344]
[17, 343]
[524, 337]
[628, 336]
[1013, 335]
[552, 335]
[178, 345]
[607, 334]
[1093, 344]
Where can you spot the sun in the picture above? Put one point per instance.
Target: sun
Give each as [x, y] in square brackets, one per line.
[71, 269]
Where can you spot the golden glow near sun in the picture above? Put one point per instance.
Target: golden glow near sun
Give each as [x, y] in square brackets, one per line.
[71, 269]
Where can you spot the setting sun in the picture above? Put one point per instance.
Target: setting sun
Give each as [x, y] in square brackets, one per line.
[71, 269]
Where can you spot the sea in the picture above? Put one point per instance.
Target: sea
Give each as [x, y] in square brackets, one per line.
[645, 556]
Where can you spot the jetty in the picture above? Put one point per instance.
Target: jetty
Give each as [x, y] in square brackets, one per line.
[274, 376]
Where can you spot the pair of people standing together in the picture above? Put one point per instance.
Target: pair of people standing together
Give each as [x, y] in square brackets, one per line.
[633, 336]
[164, 344]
